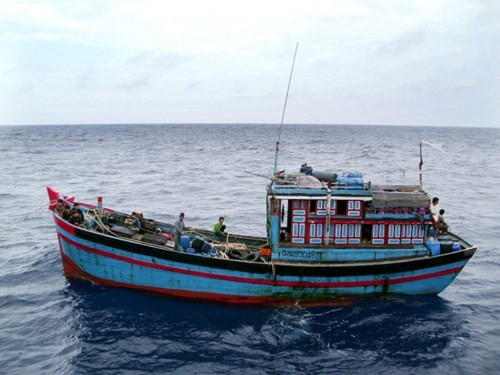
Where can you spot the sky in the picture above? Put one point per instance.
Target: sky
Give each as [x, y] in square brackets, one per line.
[385, 62]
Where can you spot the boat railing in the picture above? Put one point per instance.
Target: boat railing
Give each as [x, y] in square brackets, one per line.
[290, 185]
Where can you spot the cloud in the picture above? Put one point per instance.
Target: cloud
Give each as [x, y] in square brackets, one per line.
[85, 79]
[26, 87]
[134, 83]
[157, 60]
[402, 43]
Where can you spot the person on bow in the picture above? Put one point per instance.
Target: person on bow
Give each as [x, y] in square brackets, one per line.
[76, 207]
[442, 225]
[67, 212]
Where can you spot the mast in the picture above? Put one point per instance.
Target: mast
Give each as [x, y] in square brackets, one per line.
[420, 164]
[283, 114]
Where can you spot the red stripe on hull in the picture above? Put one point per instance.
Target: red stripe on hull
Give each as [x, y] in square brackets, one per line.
[296, 284]
[77, 273]
[69, 267]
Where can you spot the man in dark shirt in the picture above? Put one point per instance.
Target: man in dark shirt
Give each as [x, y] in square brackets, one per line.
[67, 212]
[75, 218]
[76, 208]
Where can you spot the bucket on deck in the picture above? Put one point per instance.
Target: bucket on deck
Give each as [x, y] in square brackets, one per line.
[446, 247]
[456, 246]
[265, 251]
[446, 244]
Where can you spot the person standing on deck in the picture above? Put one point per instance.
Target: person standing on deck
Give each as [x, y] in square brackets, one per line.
[179, 227]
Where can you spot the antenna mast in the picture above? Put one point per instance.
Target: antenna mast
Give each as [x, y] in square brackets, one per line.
[283, 114]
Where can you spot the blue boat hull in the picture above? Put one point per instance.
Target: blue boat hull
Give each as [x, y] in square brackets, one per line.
[113, 261]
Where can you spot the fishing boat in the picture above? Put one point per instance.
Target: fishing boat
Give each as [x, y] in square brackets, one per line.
[328, 235]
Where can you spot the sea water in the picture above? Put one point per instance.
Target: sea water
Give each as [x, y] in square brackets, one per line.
[50, 325]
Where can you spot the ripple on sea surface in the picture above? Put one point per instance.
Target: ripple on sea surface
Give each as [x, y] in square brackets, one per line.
[51, 325]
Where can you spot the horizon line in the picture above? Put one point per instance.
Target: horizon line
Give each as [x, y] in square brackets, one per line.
[247, 123]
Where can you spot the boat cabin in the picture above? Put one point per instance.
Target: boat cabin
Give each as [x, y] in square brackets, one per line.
[345, 213]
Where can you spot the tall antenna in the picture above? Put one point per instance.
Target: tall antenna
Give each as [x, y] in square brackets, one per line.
[283, 114]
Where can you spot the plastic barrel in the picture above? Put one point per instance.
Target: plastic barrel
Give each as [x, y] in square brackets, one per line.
[434, 246]
[185, 241]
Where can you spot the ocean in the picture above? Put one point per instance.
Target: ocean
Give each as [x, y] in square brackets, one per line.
[51, 325]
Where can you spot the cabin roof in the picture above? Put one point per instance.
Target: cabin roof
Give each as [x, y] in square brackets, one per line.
[399, 196]
[411, 196]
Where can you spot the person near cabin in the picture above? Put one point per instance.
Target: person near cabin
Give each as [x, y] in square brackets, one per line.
[434, 209]
[220, 228]
[443, 227]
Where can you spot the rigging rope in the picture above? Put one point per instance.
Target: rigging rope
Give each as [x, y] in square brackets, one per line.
[27, 216]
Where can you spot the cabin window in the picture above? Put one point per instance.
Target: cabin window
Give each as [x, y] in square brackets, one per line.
[312, 207]
[341, 208]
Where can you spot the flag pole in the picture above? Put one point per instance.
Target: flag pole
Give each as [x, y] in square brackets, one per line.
[420, 164]
[437, 147]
